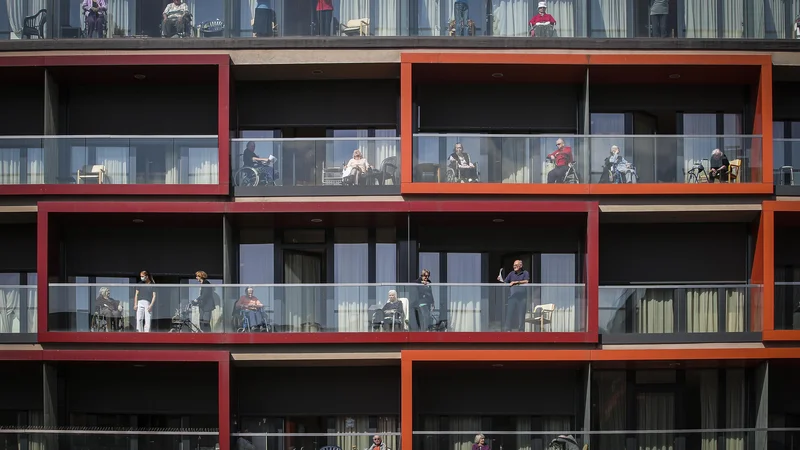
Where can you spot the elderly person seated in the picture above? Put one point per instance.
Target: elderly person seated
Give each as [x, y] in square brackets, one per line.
[720, 167]
[176, 18]
[620, 165]
[109, 309]
[94, 13]
[542, 18]
[356, 171]
[378, 444]
[464, 169]
[480, 443]
[392, 316]
[250, 306]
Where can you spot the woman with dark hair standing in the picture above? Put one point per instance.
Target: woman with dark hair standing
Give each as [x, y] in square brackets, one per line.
[143, 301]
[205, 301]
[422, 304]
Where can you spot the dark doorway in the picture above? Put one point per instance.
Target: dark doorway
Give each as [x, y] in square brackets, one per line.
[149, 16]
[298, 18]
[304, 306]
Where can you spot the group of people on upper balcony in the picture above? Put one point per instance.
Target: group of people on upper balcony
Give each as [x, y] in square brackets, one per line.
[175, 18]
[543, 24]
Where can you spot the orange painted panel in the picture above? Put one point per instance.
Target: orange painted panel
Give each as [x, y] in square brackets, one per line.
[408, 187]
[471, 57]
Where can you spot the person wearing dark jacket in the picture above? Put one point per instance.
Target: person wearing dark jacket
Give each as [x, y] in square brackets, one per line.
[720, 166]
[422, 303]
[205, 301]
[109, 308]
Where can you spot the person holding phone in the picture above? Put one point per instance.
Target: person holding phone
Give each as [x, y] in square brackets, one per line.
[517, 297]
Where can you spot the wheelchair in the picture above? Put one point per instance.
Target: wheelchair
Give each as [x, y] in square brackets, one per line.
[543, 30]
[102, 323]
[391, 320]
[242, 323]
[454, 175]
[571, 177]
[260, 174]
[612, 175]
[187, 28]
[182, 320]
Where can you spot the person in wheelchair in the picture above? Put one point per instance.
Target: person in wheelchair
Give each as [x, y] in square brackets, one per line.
[94, 13]
[251, 311]
[264, 167]
[392, 316]
[562, 158]
[357, 171]
[108, 311]
[719, 165]
[464, 170]
[621, 170]
[542, 18]
[176, 19]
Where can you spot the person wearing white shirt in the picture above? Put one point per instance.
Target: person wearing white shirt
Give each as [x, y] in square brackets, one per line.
[176, 15]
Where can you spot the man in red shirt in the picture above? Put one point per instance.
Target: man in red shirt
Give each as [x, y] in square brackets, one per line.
[324, 17]
[542, 17]
[561, 157]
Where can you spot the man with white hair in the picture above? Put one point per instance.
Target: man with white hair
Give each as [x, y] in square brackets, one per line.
[719, 165]
[541, 18]
[378, 444]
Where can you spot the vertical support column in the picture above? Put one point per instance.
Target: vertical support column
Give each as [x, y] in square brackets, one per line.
[224, 406]
[42, 260]
[51, 128]
[762, 405]
[406, 124]
[51, 406]
[757, 278]
[592, 275]
[406, 402]
[762, 157]
[587, 407]
[223, 126]
[768, 266]
[229, 261]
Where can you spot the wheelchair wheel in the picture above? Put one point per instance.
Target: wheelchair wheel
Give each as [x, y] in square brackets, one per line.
[246, 177]
[691, 177]
[451, 175]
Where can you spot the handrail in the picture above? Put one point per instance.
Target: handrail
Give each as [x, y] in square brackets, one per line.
[112, 136]
[335, 139]
[588, 136]
[329, 285]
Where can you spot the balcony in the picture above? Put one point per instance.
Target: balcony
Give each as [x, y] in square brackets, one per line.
[692, 313]
[275, 167]
[547, 310]
[18, 323]
[786, 163]
[574, 18]
[525, 159]
[109, 160]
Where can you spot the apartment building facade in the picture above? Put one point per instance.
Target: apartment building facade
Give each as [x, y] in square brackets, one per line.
[661, 305]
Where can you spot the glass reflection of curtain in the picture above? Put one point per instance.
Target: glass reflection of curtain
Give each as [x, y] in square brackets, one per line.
[609, 18]
[524, 440]
[36, 441]
[612, 401]
[430, 18]
[708, 404]
[556, 424]
[654, 313]
[566, 12]
[702, 310]
[515, 154]
[656, 411]
[33, 322]
[733, 18]
[769, 19]
[700, 18]
[35, 166]
[121, 18]
[9, 309]
[511, 17]
[697, 149]
[464, 302]
[348, 442]
[463, 429]
[10, 169]
[735, 401]
[560, 269]
[202, 166]
[115, 160]
[299, 299]
[351, 265]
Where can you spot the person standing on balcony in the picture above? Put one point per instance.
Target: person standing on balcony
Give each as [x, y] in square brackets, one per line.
[144, 299]
[324, 17]
[205, 301]
[659, 11]
[422, 303]
[517, 297]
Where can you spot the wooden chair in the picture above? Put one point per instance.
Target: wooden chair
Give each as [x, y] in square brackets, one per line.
[734, 171]
[544, 315]
[94, 172]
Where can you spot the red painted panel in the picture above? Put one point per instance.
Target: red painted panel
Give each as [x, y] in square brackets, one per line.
[593, 270]
[136, 355]
[115, 189]
[224, 402]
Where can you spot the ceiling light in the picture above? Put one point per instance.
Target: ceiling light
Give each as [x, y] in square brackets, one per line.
[498, 220]
[138, 221]
[316, 220]
[675, 76]
[140, 76]
[497, 366]
[316, 72]
[497, 75]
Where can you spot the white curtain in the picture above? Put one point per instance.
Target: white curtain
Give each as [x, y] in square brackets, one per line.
[465, 302]
[10, 169]
[556, 424]
[610, 18]
[709, 399]
[115, 161]
[516, 157]
[431, 18]
[361, 425]
[385, 20]
[511, 17]
[9, 309]
[18, 10]
[36, 166]
[697, 149]
[33, 302]
[300, 305]
[700, 18]
[770, 20]
[352, 302]
[735, 401]
[560, 269]
[201, 165]
[654, 311]
[567, 14]
[122, 18]
[612, 404]
[656, 411]
[524, 441]
[463, 429]
[702, 309]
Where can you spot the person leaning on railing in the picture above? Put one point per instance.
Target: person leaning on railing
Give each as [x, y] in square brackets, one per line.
[517, 297]
[422, 302]
[205, 301]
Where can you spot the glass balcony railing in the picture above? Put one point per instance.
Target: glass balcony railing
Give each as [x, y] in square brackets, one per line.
[331, 162]
[534, 159]
[109, 160]
[670, 309]
[786, 161]
[108, 439]
[787, 306]
[288, 18]
[318, 308]
[19, 310]
[344, 439]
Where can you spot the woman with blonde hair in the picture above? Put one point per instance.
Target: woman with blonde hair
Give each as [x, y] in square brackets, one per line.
[480, 443]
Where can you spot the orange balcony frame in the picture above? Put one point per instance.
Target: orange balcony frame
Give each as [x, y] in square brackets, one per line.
[769, 208]
[762, 155]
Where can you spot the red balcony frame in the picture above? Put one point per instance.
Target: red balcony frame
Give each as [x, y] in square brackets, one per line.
[591, 209]
[223, 123]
